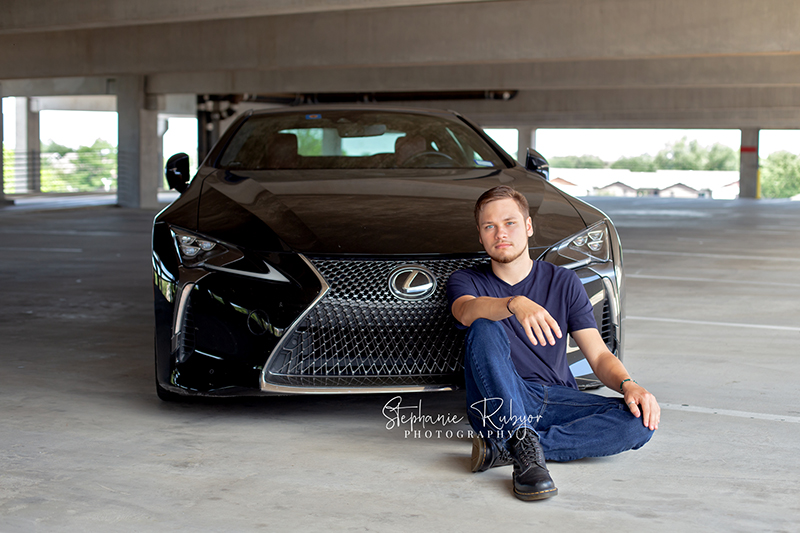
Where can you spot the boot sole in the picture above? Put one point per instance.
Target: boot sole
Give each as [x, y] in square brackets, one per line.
[533, 496]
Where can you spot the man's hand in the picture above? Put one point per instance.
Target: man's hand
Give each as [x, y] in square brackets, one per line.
[611, 372]
[539, 326]
[642, 403]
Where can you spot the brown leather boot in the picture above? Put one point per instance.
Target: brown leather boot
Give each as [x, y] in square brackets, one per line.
[488, 454]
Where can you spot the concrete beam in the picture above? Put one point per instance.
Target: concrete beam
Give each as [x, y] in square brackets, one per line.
[180, 105]
[50, 15]
[780, 71]
[89, 94]
[655, 108]
[459, 34]
[74, 103]
[742, 71]
[59, 86]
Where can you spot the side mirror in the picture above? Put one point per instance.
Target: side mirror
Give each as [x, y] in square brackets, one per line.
[177, 172]
[535, 162]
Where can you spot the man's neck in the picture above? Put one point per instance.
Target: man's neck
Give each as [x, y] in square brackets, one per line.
[515, 271]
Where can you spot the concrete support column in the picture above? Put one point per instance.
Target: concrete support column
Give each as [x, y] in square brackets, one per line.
[2, 185]
[208, 125]
[27, 154]
[138, 164]
[748, 165]
[526, 139]
[163, 126]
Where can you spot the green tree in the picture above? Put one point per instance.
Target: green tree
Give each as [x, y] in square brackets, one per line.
[721, 157]
[94, 163]
[682, 155]
[309, 141]
[577, 161]
[780, 175]
[55, 148]
[679, 155]
[88, 168]
[8, 170]
[639, 163]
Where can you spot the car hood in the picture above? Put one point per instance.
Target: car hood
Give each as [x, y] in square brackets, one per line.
[370, 212]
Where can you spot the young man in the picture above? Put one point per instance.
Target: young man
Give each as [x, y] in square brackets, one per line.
[522, 399]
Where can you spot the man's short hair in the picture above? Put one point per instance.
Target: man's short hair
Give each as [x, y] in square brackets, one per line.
[501, 192]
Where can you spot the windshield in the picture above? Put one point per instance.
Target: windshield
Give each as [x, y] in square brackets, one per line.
[355, 139]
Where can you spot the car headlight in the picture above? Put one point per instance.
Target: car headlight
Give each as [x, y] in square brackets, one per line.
[195, 249]
[200, 251]
[588, 246]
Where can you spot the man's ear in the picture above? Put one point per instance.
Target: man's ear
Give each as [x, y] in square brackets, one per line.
[529, 227]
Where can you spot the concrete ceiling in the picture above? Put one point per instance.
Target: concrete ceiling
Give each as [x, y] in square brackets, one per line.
[591, 63]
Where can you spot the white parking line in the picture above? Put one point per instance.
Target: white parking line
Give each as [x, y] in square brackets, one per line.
[709, 280]
[715, 256]
[728, 412]
[709, 323]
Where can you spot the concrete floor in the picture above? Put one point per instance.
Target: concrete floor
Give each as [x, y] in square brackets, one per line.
[713, 331]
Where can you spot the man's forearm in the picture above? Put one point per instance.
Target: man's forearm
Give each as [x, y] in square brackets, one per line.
[639, 400]
[605, 365]
[469, 310]
[539, 326]
[611, 371]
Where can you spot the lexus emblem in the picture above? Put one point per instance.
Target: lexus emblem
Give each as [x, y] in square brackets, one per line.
[412, 282]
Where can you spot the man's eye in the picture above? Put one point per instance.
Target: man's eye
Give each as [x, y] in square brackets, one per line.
[510, 223]
[488, 227]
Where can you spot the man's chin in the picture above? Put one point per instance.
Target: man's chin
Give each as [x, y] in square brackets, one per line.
[502, 259]
[506, 258]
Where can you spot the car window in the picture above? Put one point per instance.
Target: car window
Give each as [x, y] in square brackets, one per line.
[355, 139]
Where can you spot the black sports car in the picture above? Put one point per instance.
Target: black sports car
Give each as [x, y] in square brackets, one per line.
[310, 252]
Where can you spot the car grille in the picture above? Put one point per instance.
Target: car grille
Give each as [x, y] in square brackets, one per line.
[607, 327]
[187, 342]
[359, 334]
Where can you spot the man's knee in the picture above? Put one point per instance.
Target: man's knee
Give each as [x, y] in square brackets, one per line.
[485, 331]
[485, 337]
[487, 347]
[484, 326]
[637, 433]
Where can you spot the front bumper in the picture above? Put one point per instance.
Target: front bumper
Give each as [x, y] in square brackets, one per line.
[224, 333]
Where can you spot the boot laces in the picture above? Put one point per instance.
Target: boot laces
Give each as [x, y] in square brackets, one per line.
[529, 452]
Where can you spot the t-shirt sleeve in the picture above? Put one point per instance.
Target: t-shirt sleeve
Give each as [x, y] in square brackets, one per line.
[460, 284]
[581, 312]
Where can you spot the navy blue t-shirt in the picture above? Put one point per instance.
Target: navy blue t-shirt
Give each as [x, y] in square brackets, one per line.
[556, 289]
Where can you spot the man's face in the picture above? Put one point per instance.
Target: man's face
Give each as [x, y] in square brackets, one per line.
[504, 230]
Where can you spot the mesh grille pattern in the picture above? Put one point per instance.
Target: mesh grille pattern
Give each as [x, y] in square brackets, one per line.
[361, 335]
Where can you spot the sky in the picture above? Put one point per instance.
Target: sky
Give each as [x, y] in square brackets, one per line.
[82, 128]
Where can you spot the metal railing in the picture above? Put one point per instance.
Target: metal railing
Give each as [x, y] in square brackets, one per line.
[83, 170]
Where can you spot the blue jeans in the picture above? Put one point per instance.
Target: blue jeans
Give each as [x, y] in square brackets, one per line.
[571, 424]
